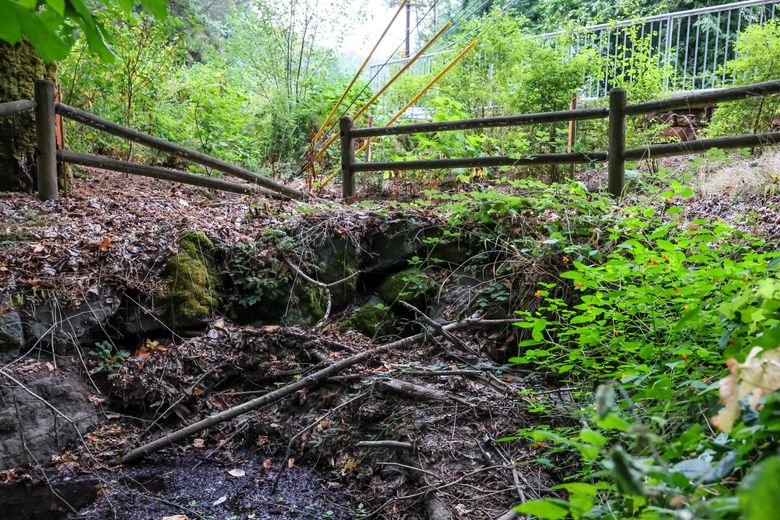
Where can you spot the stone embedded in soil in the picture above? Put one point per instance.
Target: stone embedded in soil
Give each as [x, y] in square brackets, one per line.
[30, 431]
[11, 336]
[83, 324]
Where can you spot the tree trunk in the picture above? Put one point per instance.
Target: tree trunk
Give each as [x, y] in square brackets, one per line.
[20, 66]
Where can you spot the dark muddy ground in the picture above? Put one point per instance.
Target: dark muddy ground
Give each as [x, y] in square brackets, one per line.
[202, 488]
[184, 487]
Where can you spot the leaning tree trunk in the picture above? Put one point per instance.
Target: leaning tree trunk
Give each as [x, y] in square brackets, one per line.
[20, 66]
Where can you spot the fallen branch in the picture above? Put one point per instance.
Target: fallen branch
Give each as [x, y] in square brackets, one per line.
[413, 391]
[396, 445]
[457, 342]
[285, 391]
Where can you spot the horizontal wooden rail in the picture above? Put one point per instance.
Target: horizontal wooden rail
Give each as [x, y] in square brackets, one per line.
[476, 162]
[487, 122]
[721, 95]
[110, 127]
[16, 107]
[700, 145]
[156, 172]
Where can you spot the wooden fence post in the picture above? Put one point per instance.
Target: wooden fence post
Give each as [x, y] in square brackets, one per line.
[46, 140]
[347, 158]
[617, 141]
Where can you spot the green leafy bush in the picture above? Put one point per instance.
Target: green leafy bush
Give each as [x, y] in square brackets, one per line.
[653, 324]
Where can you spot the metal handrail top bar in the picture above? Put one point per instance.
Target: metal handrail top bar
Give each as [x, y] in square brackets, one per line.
[665, 16]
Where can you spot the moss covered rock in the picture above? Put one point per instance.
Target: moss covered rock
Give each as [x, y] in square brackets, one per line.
[192, 281]
[338, 259]
[412, 286]
[372, 319]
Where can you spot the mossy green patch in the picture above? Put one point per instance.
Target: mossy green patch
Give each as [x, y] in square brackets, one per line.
[370, 319]
[191, 279]
[411, 286]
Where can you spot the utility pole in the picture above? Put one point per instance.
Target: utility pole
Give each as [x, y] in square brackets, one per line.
[407, 49]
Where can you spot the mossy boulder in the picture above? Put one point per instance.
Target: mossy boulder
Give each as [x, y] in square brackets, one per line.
[412, 286]
[304, 306]
[372, 319]
[192, 281]
[338, 259]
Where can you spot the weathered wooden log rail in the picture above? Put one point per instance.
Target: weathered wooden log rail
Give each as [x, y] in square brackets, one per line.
[616, 155]
[46, 109]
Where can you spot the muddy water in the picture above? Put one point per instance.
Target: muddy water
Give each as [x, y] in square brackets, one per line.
[194, 487]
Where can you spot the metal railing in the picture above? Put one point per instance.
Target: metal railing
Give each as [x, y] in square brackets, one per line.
[616, 155]
[693, 44]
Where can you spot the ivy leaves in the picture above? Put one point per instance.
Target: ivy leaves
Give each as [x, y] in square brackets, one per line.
[53, 26]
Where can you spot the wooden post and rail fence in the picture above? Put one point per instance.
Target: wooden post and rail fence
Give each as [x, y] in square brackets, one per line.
[46, 109]
[615, 156]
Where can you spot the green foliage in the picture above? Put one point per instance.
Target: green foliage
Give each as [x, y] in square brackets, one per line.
[410, 286]
[656, 314]
[127, 90]
[107, 357]
[54, 26]
[756, 51]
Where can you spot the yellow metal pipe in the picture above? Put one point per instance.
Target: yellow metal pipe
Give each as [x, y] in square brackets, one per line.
[387, 85]
[354, 80]
[420, 94]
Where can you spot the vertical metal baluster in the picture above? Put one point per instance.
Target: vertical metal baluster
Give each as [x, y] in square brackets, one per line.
[685, 61]
[677, 50]
[696, 53]
[615, 51]
[658, 36]
[606, 61]
[601, 55]
[739, 29]
[726, 49]
[706, 52]
[715, 51]
[667, 52]
[624, 50]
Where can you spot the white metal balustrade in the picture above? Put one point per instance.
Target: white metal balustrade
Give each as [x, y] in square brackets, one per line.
[693, 45]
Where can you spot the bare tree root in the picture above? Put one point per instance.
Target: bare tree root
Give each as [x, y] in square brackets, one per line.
[285, 391]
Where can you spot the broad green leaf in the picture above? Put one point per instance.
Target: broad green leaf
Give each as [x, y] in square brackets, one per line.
[159, 8]
[760, 489]
[57, 5]
[47, 44]
[543, 508]
[10, 30]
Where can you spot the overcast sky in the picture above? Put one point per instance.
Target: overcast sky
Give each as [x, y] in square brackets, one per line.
[367, 33]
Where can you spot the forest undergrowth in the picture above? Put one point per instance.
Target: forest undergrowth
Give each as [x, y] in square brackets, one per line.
[650, 328]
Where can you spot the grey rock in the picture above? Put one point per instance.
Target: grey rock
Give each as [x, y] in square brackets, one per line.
[83, 324]
[30, 431]
[11, 335]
